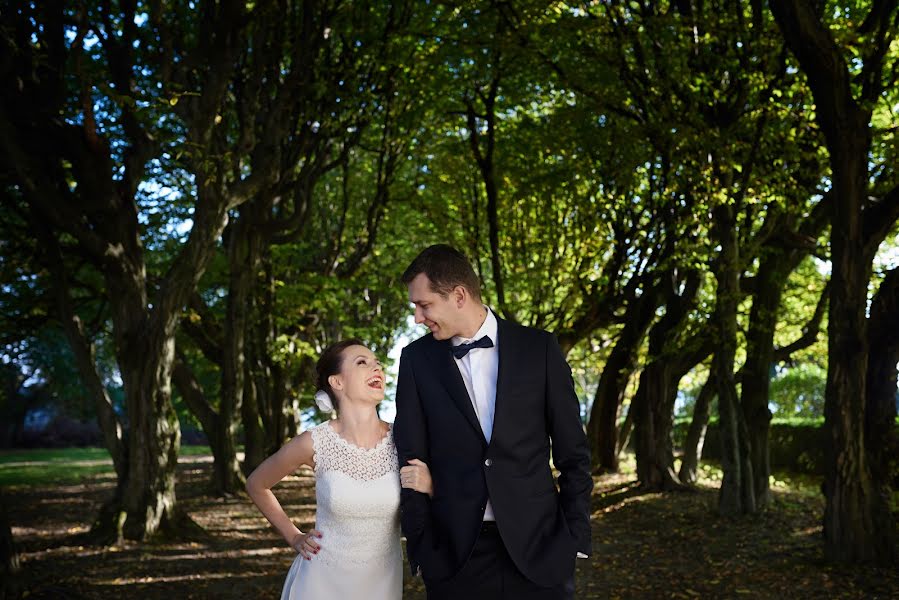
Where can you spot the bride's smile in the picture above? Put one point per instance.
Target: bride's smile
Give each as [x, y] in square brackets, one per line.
[363, 377]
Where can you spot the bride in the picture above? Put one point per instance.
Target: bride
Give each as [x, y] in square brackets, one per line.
[354, 550]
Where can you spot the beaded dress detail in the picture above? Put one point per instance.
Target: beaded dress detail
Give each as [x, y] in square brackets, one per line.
[357, 495]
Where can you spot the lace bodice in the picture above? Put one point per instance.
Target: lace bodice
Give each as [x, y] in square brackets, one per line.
[333, 453]
[357, 494]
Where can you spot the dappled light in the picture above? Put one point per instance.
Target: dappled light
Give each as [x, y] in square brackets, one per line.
[646, 544]
[675, 223]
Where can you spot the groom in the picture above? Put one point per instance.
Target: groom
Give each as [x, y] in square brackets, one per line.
[483, 402]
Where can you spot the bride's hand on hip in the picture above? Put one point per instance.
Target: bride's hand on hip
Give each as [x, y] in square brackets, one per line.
[306, 544]
[416, 476]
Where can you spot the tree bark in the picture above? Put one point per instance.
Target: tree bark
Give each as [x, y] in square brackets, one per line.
[756, 373]
[881, 441]
[255, 409]
[696, 433]
[85, 356]
[779, 259]
[602, 427]
[852, 529]
[653, 404]
[627, 427]
[736, 495]
[242, 246]
[254, 433]
[225, 466]
[11, 584]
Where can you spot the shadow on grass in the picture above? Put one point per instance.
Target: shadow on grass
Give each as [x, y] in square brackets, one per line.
[617, 494]
[611, 496]
[645, 545]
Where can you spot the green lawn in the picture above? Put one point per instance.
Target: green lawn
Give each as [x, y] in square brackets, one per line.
[62, 466]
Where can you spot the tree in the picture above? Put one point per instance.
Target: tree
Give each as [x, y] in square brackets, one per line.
[76, 150]
[881, 441]
[673, 351]
[696, 432]
[339, 111]
[857, 521]
[11, 585]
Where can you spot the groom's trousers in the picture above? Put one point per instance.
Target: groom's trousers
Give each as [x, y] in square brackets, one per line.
[490, 574]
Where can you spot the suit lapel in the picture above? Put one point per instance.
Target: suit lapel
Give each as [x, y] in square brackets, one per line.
[441, 356]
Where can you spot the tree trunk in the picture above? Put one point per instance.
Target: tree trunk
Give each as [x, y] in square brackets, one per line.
[880, 405]
[144, 334]
[148, 502]
[255, 384]
[14, 405]
[756, 372]
[881, 440]
[851, 530]
[113, 432]
[602, 427]
[624, 432]
[696, 433]
[777, 264]
[254, 434]
[276, 400]
[225, 466]
[736, 495]
[280, 407]
[84, 352]
[653, 405]
[256, 409]
[11, 585]
[242, 260]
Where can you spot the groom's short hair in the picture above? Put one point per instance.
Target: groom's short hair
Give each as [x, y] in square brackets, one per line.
[445, 268]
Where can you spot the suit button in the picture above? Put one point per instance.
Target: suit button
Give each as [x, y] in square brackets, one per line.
[488, 462]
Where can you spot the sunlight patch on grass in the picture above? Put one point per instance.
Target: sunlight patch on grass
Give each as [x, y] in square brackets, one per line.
[807, 531]
[242, 553]
[44, 532]
[52, 455]
[50, 473]
[167, 578]
[64, 466]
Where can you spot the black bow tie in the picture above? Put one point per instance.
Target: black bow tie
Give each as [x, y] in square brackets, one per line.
[463, 349]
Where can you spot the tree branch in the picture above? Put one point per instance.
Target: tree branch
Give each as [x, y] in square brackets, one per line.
[809, 332]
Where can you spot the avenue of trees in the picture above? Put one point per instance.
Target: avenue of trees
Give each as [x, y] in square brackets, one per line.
[698, 198]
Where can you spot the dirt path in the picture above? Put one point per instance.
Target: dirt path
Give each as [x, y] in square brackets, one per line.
[645, 546]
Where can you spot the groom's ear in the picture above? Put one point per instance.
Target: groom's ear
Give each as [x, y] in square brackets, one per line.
[459, 295]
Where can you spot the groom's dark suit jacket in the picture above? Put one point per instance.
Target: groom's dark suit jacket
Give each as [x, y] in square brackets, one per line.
[537, 412]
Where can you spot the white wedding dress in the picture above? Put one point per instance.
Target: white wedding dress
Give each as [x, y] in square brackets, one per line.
[357, 495]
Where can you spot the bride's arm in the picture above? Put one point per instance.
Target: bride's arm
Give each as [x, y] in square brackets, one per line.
[285, 461]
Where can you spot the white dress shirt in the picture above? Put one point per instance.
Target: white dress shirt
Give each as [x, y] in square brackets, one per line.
[479, 368]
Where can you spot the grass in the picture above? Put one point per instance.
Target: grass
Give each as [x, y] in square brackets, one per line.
[645, 545]
[62, 466]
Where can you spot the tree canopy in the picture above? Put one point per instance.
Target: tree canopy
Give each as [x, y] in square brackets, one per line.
[698, 199]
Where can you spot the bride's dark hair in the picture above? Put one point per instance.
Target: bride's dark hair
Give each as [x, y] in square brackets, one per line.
[329, 363]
